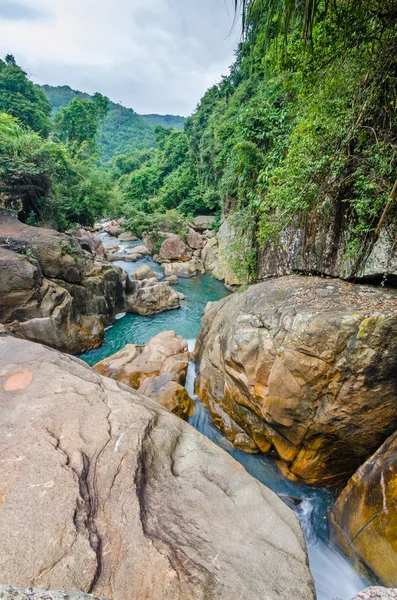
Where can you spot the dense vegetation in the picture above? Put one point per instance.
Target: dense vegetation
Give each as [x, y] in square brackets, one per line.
[122, 130]
[305, 119]
[56, 178]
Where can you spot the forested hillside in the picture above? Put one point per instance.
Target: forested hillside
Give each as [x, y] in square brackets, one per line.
[303, 128]
[122, 130]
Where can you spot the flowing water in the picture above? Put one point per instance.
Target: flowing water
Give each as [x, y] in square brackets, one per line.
[333, 575]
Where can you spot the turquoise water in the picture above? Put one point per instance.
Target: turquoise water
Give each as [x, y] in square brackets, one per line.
[333, 575]
[185, 321]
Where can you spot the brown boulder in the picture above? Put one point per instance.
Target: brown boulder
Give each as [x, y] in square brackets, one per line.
[145, 272]
[151, 296]
[364, 517]
[305, 366]
[127, 236]
[377, 593]
[183, 269]
[202, 222]
[157, 369]
[174, 248]
[102, 490]
[194, 239]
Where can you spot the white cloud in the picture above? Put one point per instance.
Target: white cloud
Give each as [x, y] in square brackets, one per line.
[153, 55]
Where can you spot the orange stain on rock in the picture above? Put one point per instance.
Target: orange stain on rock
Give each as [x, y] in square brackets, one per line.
[18, 381]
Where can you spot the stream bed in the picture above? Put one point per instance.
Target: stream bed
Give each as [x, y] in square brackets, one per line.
[333, 575]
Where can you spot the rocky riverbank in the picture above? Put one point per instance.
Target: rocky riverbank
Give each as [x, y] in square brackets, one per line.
[60, 290]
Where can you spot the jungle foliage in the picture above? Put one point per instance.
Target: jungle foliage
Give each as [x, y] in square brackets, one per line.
[305, 119]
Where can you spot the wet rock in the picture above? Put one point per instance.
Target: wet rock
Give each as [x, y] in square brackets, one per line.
[181, 296]
[202, 222]
[183, 269]
[174, 249]
[8, 592]
[306, 367]
[104, 490]
[194, 239]
[145, 272]
[364, 517]
[114, 227]
[132, 257]
[157, 369]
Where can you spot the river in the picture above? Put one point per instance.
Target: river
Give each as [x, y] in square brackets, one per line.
[333, 575]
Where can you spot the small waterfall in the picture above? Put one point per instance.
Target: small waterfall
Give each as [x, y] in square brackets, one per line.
[333, 575]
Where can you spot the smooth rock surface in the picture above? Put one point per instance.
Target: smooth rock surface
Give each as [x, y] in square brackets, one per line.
[305, 366]
[103, 490]
[157, 369]
[364, 517]
[127, 236]
[150, 296]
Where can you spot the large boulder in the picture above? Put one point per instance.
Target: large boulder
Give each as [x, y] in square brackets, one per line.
[184, 269]
[364, 517]
[104, 491]
[127, 236]
[145, 272]
[202, 222]
[210, 255]
[174, 248]
[305, 367]
[149, 296]
[194, 239]
[157, 369]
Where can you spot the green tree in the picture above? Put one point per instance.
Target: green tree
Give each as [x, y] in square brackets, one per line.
[20, 98]
[78, 123]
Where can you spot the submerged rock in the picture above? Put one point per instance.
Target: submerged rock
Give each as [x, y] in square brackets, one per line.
[306, 367]
[104, 490]
[364, 517]
[157, 369]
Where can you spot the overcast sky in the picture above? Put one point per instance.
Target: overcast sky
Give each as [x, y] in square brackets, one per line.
[156, 56]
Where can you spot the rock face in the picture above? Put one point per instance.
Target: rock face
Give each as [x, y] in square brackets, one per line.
[174, 248]
[55, 289]
[157, 369]
[8, 592]
[321, 246]
[306, 367]
[102, 490]
[364, 517]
